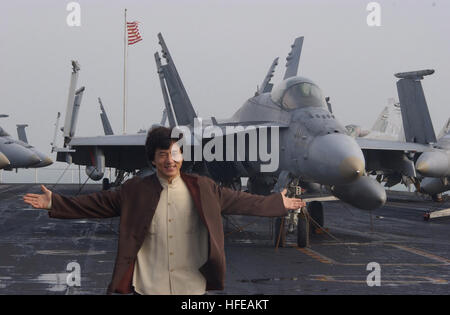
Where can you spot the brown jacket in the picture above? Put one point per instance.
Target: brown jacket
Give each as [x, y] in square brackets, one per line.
[135, 202]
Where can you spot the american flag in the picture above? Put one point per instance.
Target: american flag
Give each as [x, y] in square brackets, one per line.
[133, 33]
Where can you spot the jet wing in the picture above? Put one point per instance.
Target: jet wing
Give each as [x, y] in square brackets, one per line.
[125, 152]
[389, 156]
[110, 140]
[386, 145]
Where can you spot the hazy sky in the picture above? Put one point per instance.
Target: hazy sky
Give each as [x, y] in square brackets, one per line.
[222, 50]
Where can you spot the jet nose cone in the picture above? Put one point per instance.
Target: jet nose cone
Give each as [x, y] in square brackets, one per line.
[32, 159]
[351, 168]
[334, 159]
[433, 164]
[45, 161]
[4, 162]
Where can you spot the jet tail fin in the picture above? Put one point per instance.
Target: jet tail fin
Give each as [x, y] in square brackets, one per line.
[21, 134]
[53, 143]
[293, 59]
[389, 122]
[417, 123]
[380, 124]
[446, 130]
[75, 110]
[168, 105]
[182, 107]
[105, 121]
[266, 86]
[163, 118]
[70, 102]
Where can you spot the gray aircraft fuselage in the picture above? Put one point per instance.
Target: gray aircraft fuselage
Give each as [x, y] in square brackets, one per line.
[20, 154]
[314, 146]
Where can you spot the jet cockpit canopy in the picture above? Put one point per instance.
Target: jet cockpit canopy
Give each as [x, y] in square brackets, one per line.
[298, 92]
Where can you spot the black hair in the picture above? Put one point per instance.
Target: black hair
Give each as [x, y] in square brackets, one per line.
[158, 138]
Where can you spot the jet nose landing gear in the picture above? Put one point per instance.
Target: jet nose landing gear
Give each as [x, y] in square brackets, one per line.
[305, 221]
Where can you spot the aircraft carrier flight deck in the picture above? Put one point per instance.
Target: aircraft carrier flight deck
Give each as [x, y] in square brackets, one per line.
[413, 255]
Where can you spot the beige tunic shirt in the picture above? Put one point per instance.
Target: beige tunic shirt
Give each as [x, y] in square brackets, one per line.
[175, 247]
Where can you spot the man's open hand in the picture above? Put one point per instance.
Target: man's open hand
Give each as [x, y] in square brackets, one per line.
[39, 201]
[292, 203]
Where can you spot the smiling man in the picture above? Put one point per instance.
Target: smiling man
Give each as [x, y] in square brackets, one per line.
[171, 238]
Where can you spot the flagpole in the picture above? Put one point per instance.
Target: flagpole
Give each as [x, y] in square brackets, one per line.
[125, 54]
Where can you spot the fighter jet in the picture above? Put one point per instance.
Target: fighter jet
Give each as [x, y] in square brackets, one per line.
[314, 145]
[435, 166]
[125, 153]
[314, 148]
[16, 154]
[388, 126]
[45, 160]
[410, 120]
[436, 163]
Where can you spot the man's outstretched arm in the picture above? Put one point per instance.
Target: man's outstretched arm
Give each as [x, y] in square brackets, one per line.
[40, 201]
[274, 205]
[103, 204]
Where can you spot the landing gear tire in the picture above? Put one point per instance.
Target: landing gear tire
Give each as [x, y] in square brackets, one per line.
[106, 184]
[315, 209]
[279, 225]
[437, 198]
[302, 230]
